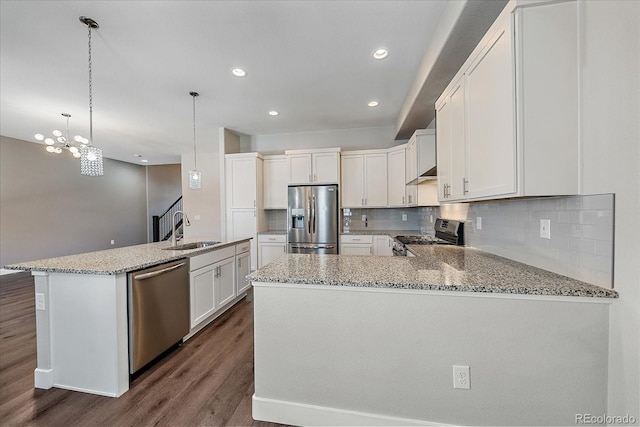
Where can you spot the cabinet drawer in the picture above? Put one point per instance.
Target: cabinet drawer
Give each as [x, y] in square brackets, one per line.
[243, 247]
[272, 238]
[356, 238]
[208, 258]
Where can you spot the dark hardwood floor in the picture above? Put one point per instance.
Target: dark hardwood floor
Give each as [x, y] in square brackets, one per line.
[207, 381]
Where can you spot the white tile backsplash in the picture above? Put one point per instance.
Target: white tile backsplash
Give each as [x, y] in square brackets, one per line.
[581, 244]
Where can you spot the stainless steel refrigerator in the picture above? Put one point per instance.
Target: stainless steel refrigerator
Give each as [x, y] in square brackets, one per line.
[312, 219]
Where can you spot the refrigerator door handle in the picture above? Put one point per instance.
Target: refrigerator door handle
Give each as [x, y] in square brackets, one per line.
[309, 214]
[314, 214]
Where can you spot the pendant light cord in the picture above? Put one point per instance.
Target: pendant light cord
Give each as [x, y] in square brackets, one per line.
[90, 92]
[195, 157]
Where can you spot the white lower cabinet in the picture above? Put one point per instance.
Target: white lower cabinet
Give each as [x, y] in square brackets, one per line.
[382, 245]
[216, 278]
[355, 244]
[243, 268]
[271, 247]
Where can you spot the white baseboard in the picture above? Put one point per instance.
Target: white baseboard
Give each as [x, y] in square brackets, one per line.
[4, 271]
[43, 378]
[299, 414]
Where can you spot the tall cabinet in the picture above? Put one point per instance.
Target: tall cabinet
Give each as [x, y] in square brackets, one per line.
[245, 213]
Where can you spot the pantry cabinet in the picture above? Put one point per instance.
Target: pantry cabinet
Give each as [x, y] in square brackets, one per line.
[507, 125]
[313, 166]
[364, 179]
[244, 196]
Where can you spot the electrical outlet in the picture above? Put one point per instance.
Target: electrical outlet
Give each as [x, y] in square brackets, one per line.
[364, 217]
[40, 302]
[545, 229]
[479, 223]
[404, 217]
[113, 242]
[461, 377]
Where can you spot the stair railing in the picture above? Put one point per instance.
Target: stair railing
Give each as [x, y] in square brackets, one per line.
[162, 223]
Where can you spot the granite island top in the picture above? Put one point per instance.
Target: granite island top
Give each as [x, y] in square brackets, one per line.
[121, 260]
[391, 233]
[437, 267]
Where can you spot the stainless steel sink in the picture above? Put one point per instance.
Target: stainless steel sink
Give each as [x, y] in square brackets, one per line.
[187, 246]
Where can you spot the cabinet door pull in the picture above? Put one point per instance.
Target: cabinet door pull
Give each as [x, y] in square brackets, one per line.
[464, 185]
[403, 200]
[254, 203]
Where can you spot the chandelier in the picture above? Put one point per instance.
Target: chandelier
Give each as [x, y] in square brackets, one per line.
[63, 141]
[195, 177]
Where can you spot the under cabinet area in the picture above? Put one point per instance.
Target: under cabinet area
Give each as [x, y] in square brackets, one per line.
[271, 247]
[507, 124]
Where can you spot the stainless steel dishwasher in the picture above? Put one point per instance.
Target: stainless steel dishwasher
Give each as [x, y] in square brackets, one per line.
[158, 300]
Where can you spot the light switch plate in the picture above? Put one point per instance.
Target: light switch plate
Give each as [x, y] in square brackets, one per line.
[545, 229]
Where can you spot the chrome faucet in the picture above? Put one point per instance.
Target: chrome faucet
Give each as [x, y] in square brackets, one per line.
[174, 241]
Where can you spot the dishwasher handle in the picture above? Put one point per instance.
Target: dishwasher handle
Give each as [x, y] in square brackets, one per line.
[157, 272]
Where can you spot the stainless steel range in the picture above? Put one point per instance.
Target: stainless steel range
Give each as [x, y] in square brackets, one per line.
[448, 232]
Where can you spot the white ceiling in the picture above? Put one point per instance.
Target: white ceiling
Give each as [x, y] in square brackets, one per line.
[310, 60]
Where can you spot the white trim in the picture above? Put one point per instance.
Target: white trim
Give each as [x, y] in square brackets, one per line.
[88, 390]
[43, 378]
[4, 271]
[453, 293]
[285, 412]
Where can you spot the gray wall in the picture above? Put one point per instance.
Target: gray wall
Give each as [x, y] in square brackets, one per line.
[164, 186]
[48, 209]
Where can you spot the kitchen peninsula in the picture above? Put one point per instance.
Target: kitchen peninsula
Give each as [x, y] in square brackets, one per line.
[372, 340]
[82, 329]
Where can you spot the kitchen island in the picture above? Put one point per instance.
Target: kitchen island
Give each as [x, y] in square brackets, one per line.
[355, 340]
[81, 311]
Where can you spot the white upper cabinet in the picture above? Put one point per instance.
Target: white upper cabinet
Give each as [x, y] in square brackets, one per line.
[242, 180]
[507, 124]
[313, 166]
[364, 179]
[420, 158]
[396, 187]
[276, 179]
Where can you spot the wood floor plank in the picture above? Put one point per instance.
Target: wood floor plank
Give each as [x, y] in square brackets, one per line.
[207, 381]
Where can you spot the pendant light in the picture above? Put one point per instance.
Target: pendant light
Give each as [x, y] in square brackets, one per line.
[90, 156]
[195, 177]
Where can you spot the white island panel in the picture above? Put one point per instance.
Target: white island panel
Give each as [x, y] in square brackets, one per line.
[330, 355]
[82, 333]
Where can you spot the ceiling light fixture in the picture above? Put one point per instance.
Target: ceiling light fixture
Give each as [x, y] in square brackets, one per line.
[90, 156]
[380, 53]
[273, 113]
[195, 177]
[238, 72]
[63, 141]
[373, 103]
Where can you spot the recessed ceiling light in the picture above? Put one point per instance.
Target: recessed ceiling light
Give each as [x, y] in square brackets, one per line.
[380, 53]
[238, 72]
[373, 103]
[138, 155]
[273, 113]
[144, 161]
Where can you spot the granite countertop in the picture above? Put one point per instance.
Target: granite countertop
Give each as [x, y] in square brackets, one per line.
[392, 233]
[437, 267]
[120, 260]
[273, 232]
